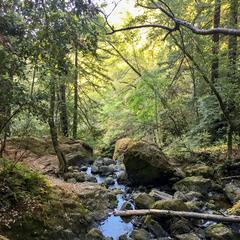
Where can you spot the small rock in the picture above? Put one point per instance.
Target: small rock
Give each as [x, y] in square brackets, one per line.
[108, 161]
[180, 226]
[219, 232]
[109, 181]
[84, 168]
[95, 169]
[90, 179]
[126, 206]
[140, 234]
[190, 196]
[122, 177]
[106, 170]
[143, 200]
[158, 195]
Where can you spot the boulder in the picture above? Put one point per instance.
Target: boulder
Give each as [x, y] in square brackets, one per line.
[145, 163]
[194, 183]
[126, 206]
[120, 147]
[79, 176]
[232, 191]
[140, 234]
[172, 204]
[219, 232]
[143, 200]
[190, 196]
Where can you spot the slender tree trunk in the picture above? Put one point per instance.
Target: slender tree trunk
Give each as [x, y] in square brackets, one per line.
[232, 59]
[75, 107]
[215, 39]
[63, 108]
[53, 129]
[229, 142]
[232, 40]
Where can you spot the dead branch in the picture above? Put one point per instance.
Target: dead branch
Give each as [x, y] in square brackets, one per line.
[170, 213]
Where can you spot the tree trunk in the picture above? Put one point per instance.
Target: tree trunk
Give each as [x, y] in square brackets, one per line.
[229, 143]
[63, 108]
[215, 39]
[75, 107]
[232, 40]
[53, 130]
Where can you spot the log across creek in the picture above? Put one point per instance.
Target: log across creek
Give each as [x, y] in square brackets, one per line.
[167, 213]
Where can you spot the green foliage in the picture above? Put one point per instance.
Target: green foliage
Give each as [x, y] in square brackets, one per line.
[18, 183]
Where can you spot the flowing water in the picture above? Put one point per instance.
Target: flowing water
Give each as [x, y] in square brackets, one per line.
[114, 226]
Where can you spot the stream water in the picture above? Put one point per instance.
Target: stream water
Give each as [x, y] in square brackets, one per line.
[114, 226]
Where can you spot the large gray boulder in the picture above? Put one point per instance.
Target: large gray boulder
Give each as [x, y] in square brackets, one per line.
[145, 163]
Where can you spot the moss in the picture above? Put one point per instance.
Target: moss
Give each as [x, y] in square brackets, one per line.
[172, 204]
[33, 208]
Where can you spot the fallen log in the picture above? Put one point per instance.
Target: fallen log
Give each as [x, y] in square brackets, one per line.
[167, 213]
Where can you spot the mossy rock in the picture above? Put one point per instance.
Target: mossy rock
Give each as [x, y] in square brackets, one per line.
[194, 183]
[219, 232]
[143, 200]
[171, 204]
[146, 164]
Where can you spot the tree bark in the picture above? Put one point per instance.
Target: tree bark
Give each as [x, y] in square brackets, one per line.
[63, 108]
[170, 213]
[229, 142]
[75, 107]
[53, 130]
[215, 39]
[232, 40]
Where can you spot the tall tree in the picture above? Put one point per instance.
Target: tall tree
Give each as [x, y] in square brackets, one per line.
[75, 105]
[215, 39]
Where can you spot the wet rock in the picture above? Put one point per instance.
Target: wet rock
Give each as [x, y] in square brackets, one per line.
[232, 191]
[123, 237]
[140, 234]
[95, 169]
[145, 163]
[84, 168]
[95, 234]
[187, 236]
[90, 179]
[143, 200]
[122, 177]
[173, 204]
[126, 206]
[195, 184]
[106, 170]
[200, 169]
[109, 181]
[154, 227]
[219, 232]
[158, 195]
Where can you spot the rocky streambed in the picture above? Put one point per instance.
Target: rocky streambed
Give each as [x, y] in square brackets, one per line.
[140, 176]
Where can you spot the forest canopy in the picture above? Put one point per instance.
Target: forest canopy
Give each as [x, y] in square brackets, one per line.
[168, 72]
